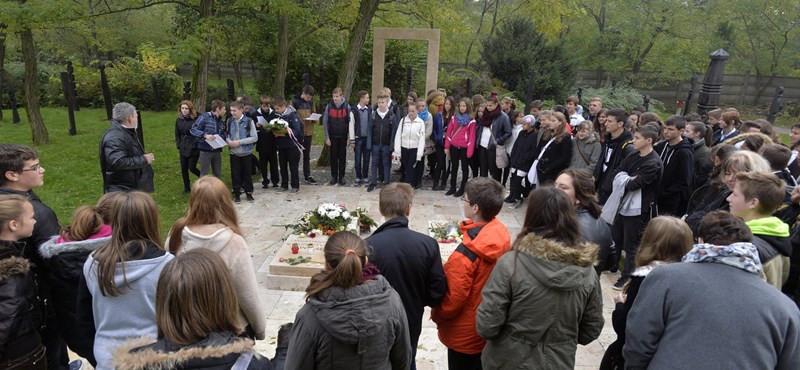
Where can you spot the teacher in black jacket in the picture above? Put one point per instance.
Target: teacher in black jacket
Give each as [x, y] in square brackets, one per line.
[124, 164]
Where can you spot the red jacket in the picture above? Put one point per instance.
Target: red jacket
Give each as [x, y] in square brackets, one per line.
[467, 270]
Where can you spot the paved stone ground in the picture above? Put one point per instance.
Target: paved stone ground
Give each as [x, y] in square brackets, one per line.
[263, 224]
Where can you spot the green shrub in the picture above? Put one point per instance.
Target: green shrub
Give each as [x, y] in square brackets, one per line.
[621, 96]
[455, 82]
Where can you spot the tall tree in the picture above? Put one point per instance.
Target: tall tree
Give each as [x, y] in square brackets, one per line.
[358, 34]
[38, 129]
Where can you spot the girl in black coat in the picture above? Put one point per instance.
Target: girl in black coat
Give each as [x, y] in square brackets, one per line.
[555, 148]
[186, 143]
[522, 157]
[20, 343]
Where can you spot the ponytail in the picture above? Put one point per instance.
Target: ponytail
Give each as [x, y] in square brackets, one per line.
[704, 131]
[345, 257]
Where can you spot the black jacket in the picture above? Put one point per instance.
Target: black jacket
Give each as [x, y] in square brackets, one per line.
[412, 264]
[648, 170]
[20, 312]
[702, 163]
[381, 130]
[219, 351]
[266, 139]
[122, 161]
[291, 117]
[184, 141]
[65, 262]
[524, 152]
[678, 178]
[717, 137]
[555, 159]
[501, 128]
[612, 153]
[715, 199]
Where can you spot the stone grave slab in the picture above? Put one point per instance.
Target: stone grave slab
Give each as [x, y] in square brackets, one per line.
[307, 247]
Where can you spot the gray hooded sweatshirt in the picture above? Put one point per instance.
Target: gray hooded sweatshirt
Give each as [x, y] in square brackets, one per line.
[130, 315]
[363, 327]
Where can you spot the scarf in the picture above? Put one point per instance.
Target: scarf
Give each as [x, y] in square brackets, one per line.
[369, 272]
[489, 116]
[743, 256]
[462, 119]
[423, 114]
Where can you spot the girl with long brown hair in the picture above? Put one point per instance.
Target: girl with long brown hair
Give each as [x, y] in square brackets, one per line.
[665, 240]
[545, 290]
[196, 314]
[211, 222]
[117, 292]
[555, 149]
[578, 184]
[350, 309]
[186, 143]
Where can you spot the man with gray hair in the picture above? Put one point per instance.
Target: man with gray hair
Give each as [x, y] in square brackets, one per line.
[123, 162]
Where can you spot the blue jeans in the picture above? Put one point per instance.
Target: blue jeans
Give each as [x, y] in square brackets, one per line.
[382, 154]
[362, 158]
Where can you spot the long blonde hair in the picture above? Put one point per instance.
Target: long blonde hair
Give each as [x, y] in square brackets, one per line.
[209, 203]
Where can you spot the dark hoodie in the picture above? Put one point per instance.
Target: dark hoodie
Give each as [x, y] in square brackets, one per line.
[363, 327]
[291, 117]
[677, 181]
[611, 155]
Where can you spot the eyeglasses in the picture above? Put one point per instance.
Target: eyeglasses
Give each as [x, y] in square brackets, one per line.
[36, 167]
[464, 199]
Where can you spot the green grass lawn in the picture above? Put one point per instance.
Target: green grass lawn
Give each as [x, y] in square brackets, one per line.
[72, 176]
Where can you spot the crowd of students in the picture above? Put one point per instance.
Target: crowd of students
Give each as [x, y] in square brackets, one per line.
[704, 216]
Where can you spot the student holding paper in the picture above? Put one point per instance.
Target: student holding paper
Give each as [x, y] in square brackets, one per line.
[204, 128]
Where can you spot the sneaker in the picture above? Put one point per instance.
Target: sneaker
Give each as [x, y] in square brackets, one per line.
[459, 193]
[334, 182]
[275, 186]
[237, 199]
[310, 180]
[516, 205]
[342, 182]
[265, 186]
[76, 365]
[620, 283]
[509, 199]
[282, 190]
[294, 190]
[371, 187]
[356, 183]
[250, 198]
[450, 192]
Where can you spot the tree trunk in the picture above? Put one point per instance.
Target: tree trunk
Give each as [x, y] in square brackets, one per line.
[38, 130]
[200, 80]
[2, 67]
[356, 45]
[477, 32]
[237, 71]
[200, 72]
[279, 84]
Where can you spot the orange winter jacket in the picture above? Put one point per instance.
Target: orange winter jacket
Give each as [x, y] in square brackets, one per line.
[467, 270]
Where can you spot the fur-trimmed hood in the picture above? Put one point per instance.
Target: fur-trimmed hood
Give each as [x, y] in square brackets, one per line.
[743, 136]
[13, 266]
[216, 350]
[563, 267]
[50, 249]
